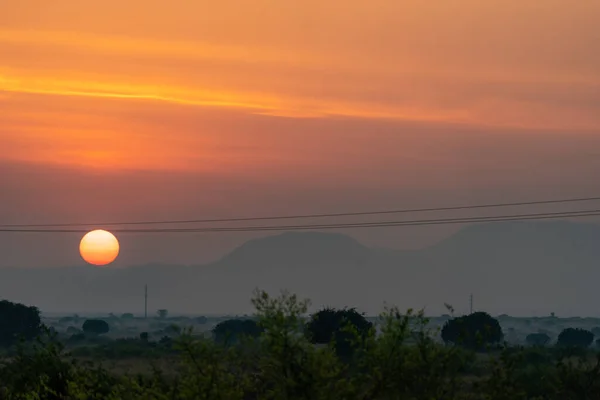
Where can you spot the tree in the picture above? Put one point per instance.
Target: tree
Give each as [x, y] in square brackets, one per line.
[202, 320]
[331, 324]
[95, 326]
[18, 320]
[232, 330]
[144, 336]
[537, 339]
[127, 316]
[575, 337]
[162, 313]
[474, 331]
[72, 330]
[173, 329]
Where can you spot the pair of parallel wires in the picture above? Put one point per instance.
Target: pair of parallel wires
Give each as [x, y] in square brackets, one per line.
[184, 225]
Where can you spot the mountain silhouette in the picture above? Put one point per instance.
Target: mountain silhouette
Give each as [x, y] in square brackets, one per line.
[519, 268]
[298, 249]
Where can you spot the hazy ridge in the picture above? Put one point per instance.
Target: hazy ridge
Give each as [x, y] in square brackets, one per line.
[518, 268]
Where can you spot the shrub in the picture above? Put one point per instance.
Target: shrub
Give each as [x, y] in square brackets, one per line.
[71, 330]
[76, 338]
[173, 329]
[341, 326]
[18, 320]
[475, 331]
[95, 326]
[402, 361]
[575, 337]
[537, 339]
[231, 330]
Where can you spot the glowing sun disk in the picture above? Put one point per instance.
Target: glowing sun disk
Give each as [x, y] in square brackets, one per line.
[99, 247]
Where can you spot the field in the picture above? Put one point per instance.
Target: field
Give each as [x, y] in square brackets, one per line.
[401, 356]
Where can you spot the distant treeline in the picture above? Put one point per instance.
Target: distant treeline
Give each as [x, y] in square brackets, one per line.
[283, 353]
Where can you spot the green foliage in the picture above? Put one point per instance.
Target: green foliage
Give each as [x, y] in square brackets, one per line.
[173, 330]
[474, 331]
[73, 330]
[575, 337]
[18, 321]
[76, 338]
[401, 360]
[127, 316]
[340, 326]
[95, 326]
[36, 371]
[232, 330]
[537, 339]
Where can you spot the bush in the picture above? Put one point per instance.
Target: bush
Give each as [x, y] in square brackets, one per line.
[401, 361]
[173, 330]
[537, 339]
[474, 331]
[232, 330]
[95, 326]
[18, 321]
[575, 337]
[71, 330]
[342, 326]
[76, 338]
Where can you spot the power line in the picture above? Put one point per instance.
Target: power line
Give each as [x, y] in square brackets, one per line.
[382, 224]
[306, 216]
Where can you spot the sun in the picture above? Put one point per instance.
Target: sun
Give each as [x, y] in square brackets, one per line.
[99, 247]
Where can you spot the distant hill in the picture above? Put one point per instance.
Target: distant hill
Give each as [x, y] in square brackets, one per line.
[298, 250]
[518, 268]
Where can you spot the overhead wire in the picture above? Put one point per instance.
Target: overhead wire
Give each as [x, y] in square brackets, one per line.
[305, 216]
[381, 224]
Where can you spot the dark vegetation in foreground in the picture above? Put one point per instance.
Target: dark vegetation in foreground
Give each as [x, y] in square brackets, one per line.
[280, 354]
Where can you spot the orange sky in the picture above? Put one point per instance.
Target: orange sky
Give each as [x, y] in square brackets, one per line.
[493, 63]
[385, 92]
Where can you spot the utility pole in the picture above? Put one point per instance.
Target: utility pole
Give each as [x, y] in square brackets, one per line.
[471, 303]
[146, 302]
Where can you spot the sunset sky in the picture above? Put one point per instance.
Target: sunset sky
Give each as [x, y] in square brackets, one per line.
[113, 110]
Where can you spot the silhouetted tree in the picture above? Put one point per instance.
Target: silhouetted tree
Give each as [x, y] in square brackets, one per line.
[144, 336]
[537, 339]
[173, 329]
[162, 313]
[474, 331]
[575, 337]
[127, 316]
[95, 326]
[231, 330]
[72, 330]
[202, 320]
[18, 320]
[76, 338]
[331, 324]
